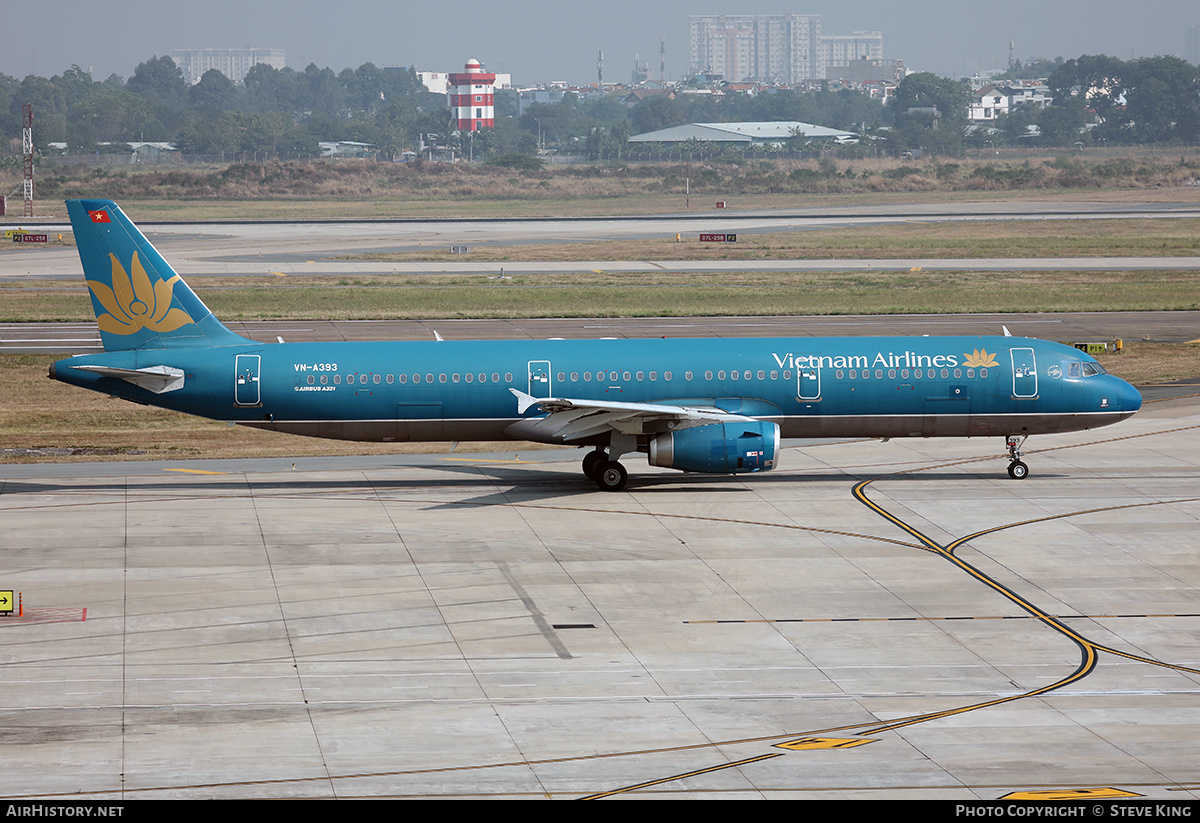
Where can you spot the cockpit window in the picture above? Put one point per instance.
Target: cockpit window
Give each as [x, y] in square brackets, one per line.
[1077, 369]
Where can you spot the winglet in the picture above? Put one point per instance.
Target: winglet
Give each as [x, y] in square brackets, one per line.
[524, 401]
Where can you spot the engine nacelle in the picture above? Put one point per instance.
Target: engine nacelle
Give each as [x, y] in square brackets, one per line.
[718, 448]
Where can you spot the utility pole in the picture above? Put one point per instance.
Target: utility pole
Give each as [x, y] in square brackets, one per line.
[27, 149]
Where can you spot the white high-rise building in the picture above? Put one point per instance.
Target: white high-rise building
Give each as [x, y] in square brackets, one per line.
[841, 49]
[233, 63]
[1191, 44]
[772, 48]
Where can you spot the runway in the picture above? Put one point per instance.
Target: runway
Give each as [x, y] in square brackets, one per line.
[493, 627]
[267, 248]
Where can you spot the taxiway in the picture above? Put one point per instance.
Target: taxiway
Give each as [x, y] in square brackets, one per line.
[440, 626]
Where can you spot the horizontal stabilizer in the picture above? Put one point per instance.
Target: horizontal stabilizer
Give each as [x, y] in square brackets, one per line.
[158, 379]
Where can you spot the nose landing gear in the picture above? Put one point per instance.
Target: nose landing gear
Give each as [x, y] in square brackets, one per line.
[1017, 469]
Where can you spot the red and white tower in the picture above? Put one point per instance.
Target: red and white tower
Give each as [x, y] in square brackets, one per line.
[472, 98]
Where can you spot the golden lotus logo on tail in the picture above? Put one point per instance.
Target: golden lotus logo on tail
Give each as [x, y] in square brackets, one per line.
[980, 359]
[134, 303]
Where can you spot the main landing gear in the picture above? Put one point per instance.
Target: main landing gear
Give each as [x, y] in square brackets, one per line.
[1017, 470]
[609, 475]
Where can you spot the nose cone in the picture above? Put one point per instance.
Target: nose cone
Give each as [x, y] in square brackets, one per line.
[1125, 398]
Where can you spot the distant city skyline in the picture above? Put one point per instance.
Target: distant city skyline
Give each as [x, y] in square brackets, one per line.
[558, 41]
[776, 48]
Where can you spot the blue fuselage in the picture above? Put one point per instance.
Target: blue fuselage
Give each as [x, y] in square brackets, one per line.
[810, 387]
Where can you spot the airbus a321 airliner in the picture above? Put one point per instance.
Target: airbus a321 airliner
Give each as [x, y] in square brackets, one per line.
[716, 406]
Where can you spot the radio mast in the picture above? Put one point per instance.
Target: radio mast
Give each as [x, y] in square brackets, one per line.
[27, 149]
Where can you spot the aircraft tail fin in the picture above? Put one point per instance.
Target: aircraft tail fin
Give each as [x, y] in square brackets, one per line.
[139, 300]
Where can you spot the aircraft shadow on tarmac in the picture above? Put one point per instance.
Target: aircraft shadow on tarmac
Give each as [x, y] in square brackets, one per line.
[533, 484]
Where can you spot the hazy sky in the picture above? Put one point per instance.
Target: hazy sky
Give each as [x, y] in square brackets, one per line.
[539, 40]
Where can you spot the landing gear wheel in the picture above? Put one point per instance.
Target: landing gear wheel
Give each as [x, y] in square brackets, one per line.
[611, 476]
[592, 462]
[1016, 469]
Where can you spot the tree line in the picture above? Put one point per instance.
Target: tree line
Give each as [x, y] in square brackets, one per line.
[1096, 99]
[280, 111]
[285, 112]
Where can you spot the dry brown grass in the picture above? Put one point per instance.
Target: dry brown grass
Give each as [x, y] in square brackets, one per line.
[356, 189]
[1146, 363]
[646, 294]
[911, 239]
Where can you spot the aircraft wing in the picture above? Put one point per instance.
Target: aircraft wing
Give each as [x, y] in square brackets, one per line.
[569, 419]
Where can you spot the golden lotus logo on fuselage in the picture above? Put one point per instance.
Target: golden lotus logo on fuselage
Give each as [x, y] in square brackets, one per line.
[134, 303]
[980, 359]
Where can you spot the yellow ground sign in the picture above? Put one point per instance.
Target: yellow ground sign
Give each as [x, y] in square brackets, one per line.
[1071, 794]
[823, 743]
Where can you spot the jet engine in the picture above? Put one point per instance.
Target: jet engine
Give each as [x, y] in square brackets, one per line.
[731, 447]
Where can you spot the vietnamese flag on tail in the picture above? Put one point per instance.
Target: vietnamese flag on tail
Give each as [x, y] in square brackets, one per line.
[100, 216]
